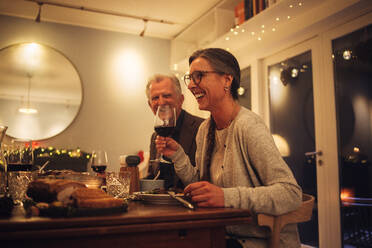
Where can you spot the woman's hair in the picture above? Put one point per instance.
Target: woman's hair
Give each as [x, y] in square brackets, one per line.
[221, 61]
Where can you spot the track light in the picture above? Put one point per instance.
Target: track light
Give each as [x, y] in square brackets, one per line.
[144, 27]
[39, 14]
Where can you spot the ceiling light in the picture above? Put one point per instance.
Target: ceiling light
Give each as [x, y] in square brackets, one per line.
[27, 109]
[227, 38]
[294, 72]
[241, 91]
[39, 13]
[277, 19]
[273, 29]
[346, 55]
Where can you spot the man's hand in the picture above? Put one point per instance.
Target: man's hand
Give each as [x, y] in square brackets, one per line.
[205, 194]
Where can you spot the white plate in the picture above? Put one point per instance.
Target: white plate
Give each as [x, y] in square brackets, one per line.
[158, 198]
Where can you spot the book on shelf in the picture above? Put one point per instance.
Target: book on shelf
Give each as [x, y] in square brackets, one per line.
[261, 5]
[255, 7]
[248, 9]
[239, 13]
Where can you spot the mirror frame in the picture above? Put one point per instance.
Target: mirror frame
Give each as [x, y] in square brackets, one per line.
[55, 53]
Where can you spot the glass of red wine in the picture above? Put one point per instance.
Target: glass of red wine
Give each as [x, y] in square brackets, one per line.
[99, 162]
[164, 124]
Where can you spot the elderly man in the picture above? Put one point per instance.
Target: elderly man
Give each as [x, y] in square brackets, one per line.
[166, 90]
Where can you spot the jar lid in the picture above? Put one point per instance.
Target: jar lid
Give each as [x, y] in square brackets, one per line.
[132, 160]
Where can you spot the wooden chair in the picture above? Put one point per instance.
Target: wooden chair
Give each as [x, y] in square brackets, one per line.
[276, 223]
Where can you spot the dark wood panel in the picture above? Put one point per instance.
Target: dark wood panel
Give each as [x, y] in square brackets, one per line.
[142, 226]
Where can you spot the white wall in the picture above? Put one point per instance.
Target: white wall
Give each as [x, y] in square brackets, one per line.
[114, 114]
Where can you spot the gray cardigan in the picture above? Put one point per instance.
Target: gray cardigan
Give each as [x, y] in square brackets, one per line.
[255, 177]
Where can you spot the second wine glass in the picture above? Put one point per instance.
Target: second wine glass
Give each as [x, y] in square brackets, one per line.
[164, 124]
[99, 162]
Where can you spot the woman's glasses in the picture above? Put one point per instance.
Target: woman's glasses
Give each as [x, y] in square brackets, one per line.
[197, 76]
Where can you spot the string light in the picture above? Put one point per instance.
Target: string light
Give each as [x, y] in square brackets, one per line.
[58, 153]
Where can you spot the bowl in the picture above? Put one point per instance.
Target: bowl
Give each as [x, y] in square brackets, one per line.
[149, 184]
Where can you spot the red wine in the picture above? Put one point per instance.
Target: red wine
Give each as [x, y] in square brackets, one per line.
[19, 167]
[164, 131]
[99, 168]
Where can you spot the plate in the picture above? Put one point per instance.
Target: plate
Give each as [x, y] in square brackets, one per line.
[157, 198]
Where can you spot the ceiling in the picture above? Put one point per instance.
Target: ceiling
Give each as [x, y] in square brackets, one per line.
[166, 18]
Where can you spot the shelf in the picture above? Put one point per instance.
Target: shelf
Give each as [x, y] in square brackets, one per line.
[204, 31]
[275, 24]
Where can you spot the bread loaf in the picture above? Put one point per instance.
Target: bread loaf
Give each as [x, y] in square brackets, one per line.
[70, 193]
[108, 202]
[49, 190]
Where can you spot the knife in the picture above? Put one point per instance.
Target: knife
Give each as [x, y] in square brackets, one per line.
[184, 202]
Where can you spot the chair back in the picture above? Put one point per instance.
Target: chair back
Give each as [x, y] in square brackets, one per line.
[276, 223]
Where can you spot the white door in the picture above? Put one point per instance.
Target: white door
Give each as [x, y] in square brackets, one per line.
[326, 164]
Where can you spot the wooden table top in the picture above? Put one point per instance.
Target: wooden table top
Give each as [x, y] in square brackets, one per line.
[139, 217]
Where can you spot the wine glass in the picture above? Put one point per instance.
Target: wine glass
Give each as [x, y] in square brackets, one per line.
[21, 156]
[164, 124]
[99, 162]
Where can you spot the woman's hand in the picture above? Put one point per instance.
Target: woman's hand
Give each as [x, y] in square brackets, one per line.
[205, 194]
[166, 145]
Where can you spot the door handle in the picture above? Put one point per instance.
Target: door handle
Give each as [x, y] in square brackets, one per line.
[311, 157]
[320, 153]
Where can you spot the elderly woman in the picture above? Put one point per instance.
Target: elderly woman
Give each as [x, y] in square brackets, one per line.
[237, 162]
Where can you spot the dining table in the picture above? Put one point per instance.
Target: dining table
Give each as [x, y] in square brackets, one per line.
[142, 225]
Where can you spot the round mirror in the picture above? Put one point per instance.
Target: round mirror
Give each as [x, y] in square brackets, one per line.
[40, 91]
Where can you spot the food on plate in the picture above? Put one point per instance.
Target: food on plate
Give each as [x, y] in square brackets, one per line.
[62, 197]
[94, 198]
[49, 190]
[100, 203]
